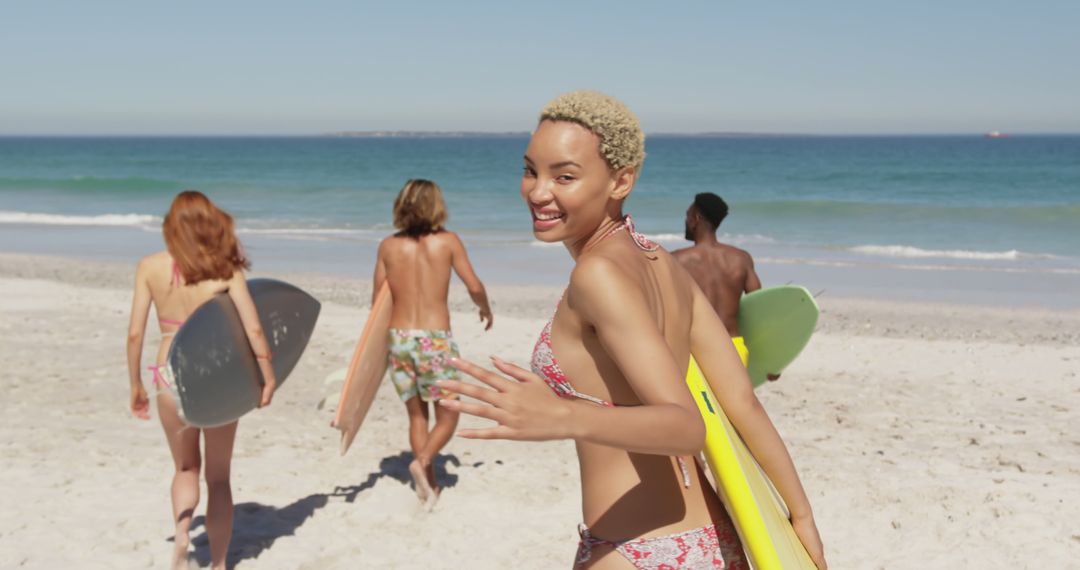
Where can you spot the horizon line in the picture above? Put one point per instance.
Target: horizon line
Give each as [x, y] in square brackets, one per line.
[479, 134]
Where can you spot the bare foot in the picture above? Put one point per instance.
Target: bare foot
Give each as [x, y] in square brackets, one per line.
[419, 477]
[431, 476]
[429, 505]
[180, 554]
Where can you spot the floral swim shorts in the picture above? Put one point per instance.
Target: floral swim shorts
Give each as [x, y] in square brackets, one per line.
[418, 359]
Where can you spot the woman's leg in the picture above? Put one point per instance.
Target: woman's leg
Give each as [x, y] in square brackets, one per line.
[418, 439]
[184, 447]
[418, 424]
[445, 423]
[219, 503]
[438, 368]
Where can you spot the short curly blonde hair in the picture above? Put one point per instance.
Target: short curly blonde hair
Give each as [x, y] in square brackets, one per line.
[622, 142]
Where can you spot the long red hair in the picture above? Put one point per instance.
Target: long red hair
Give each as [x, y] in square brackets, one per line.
[201, 239]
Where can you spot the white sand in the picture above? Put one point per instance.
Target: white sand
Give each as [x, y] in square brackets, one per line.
[927, 436]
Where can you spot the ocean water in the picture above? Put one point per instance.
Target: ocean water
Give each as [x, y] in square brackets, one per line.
[948, 218]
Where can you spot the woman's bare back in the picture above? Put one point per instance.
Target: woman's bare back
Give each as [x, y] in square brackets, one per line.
[173, 300]
[418, 272]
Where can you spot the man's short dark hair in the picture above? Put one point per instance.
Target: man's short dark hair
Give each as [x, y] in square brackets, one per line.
[711, 207]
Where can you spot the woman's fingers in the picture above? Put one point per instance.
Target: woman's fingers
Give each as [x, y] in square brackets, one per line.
[486, 376]
[140, 405]
[500, 432]
[513, 370]
[485, 395]
[519, 404]
[141, 411]
[267, 395]
[479, 410]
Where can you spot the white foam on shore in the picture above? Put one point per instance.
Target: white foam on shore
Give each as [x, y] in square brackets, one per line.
[681, 241]
[910, 252]
[917, 267]
[733, 239]
[149, 222]
[114, 220]
[666, 238]
[306, 232]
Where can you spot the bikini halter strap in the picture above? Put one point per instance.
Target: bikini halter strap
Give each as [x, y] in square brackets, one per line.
[643, 243]
[176, 276]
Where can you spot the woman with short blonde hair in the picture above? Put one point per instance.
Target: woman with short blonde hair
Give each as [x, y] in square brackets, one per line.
[610, 366]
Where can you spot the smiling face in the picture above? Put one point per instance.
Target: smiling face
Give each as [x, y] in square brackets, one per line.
[568, 186]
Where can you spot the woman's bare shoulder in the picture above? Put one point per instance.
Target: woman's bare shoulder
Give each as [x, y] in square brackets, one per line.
[598, 279]
[390, 242]
[443, 241]
[155, 262]
[445, 236]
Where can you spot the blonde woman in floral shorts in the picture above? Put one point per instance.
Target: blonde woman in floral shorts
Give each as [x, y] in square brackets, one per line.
[418, 359]
[416, 262]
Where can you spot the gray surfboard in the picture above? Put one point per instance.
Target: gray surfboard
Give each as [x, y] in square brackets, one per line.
[214, 369]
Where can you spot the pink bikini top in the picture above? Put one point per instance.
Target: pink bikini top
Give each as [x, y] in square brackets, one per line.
[159, 378]
[543, 362]
[545, 366]
[176, 281]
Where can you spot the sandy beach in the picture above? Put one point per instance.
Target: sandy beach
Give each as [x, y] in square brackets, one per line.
[926, 435]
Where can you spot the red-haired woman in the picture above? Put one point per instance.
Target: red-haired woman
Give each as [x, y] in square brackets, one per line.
[202, 258]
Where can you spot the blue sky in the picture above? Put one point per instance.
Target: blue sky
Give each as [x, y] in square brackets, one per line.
[271, 67]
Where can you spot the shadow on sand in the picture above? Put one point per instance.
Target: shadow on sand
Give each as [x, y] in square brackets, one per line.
[256, 526]
[397, 467]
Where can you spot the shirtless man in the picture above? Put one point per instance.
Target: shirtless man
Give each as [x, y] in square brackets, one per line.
[416, 262]
[722, 271]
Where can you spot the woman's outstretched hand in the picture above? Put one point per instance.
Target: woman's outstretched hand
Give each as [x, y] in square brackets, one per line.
[524, 407]
[140, 403]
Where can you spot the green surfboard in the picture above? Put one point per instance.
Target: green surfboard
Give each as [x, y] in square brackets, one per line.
[776, 323]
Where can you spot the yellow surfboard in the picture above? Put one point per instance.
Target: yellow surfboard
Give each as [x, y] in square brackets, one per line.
[759, 515]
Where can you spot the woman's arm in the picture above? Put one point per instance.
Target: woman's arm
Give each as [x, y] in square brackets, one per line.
[667, 422]
[711, 346]
[241, 298]
[464, 269]
[140, 311]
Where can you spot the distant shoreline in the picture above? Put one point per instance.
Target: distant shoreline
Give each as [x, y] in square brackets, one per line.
[518, 134]
[521, 134]
[423, 134]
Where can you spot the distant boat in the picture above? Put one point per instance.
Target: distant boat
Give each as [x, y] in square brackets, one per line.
[996, 135]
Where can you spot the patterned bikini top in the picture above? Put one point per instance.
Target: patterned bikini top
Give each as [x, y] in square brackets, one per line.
[544, 364]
